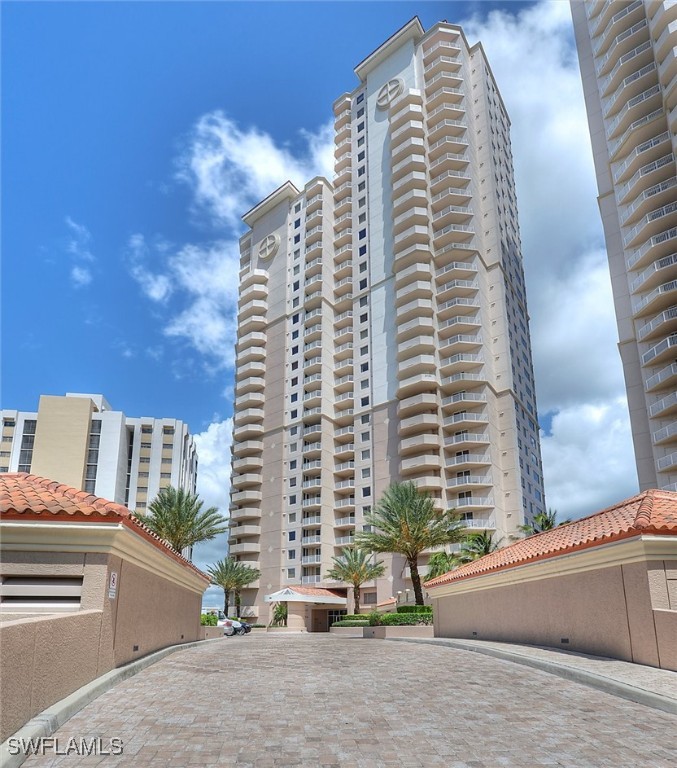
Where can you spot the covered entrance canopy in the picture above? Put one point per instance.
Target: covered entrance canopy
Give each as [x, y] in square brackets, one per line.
[307, 595]
[310, 609]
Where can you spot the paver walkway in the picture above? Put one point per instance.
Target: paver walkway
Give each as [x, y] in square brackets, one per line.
[317, 700]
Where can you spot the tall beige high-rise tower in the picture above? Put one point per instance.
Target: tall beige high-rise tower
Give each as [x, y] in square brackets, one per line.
[382, 327]
[628, 60]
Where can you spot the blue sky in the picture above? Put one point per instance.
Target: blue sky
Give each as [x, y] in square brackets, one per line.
[133, 136]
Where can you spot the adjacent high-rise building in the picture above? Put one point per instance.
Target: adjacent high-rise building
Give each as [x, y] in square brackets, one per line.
[628, 59]
[80, 441]
[382, 325]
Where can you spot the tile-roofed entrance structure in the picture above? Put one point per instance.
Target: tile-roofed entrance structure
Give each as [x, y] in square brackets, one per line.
[605, 584]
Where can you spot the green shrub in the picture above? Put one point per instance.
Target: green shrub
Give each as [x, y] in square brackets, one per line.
[405, 619]
[353, 617]
[258, 626]
[414, 609]
[351, 623]
[375, 619]
[209, 620]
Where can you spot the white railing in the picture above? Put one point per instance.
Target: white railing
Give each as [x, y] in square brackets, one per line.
[655, 190]
[658, 378]
[661, 347]
[665, 288]
[666, 402]
[661, 237]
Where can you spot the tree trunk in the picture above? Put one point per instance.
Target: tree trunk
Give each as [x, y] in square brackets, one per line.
[226, 598]
[416, 581]
[356, 597]
[237, 603]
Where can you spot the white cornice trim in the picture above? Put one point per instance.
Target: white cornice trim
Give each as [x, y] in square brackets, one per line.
[113, 539]
[635, 550]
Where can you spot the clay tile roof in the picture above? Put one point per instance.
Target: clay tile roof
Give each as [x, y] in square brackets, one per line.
[24, 496]
[317, 592]
[651, 512]
[389, 601]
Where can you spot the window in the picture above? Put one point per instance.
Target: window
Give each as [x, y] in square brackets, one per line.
[365, 418]
[294, 397]
[167, 446]
[366, 472]
[295, 381]
[295, 303]
[294, 431]
[145, 445]
[297, 207]
[364, 437]
[362, 201]
[296, 317]
[361, 170]
[166, 461]
[363, 266]
[364, 318]
[361, 186]
[145, 460]
[364, 401]
[364, 300]
[292, 517]
[297, 223]
[296, 285]
[360, 112]
[295, 365]
[364, 334]
[360, 126]
[364, 384]
[293, 447]
[146, 429]
[366, 454]
[142, 489]
[360, 156]
[359, 99]
[297, 239]
[168, 430]
[292, 535]
[292, 482]
[292, 464]
[163, 475]
[364, 350]
[295, 334]
[291, 554]
[294, 414]
[360, 141]
[292, 500]
[369, 598]
[9, 423]
[295, 349]
[363, 250]
[364, 367]
[366, 491]
[297, 269]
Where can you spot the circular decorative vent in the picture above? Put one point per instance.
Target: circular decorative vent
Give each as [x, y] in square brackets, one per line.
[269, 246]
[389, 92]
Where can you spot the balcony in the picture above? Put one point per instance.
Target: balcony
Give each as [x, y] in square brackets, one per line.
[346, 503]
[666, 406]
[665, 378]
[245, 513]
[345, 522]
[311, 559]
[459, 420]
[418, 464]
[416, 404]
[244, 530]
[654, 196]
[419, 308]
[467, 460]
[247, 431]
[248, 462]
[661, 325]
[245, 548]
[412, 385]
[486, 524]
[345, 541]
[246, 497]
[661, 352]
[420, 423]
[311, 540]
[470, 503]
[253, 291]
[629, 87]
[666, 435]
[247, 447]
[667, 463]
[311, 520]
[648, 100]
[419, 443]
[252, 323]
[344, 449]
[246, 480]
[249, 400]
[650, 224]
[466, 440]
[247, 416]
[311, 502]
[655, 248]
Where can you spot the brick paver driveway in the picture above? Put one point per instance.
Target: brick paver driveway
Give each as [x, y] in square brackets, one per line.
[318, 700]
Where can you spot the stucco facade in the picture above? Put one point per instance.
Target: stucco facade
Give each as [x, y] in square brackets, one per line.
[81, 594]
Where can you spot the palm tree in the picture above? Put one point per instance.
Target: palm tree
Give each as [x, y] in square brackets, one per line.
[245, 575]
[543, 521]
[177, 517]
[477, 545]
[232, 576]
[353, 567]
[441, 562]
[407, 522]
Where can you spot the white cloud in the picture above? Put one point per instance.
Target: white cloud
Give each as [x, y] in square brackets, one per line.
[80, 276]
[574, 337]
[588, 459]
[213, 483]
[229, 168]
[78, 247]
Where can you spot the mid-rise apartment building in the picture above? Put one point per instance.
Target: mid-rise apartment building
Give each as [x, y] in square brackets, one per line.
[79, 440]
[628, 60]
[382, 325]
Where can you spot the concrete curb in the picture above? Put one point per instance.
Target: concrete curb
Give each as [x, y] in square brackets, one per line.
[583, 676]
[52, 718]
